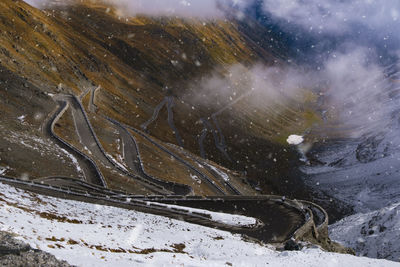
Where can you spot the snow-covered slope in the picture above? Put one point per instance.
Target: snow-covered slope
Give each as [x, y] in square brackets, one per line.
[366, 175]
[361, 166]
[363, 172]
[360, 163]
[93, 235]
[374, 234]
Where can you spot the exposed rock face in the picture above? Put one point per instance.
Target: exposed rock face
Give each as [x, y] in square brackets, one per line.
[16, 253]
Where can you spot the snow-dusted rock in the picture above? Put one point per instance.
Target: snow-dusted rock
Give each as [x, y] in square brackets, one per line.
[375, 234]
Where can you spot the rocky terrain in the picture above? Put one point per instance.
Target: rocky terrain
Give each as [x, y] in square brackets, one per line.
[16, 253]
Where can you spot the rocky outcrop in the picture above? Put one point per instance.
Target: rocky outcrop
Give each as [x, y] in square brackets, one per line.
[16, 253]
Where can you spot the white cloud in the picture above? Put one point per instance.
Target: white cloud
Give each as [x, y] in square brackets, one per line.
[358, 91]
[35, 3]
[180, 8]
[337, 15]
[355, 95]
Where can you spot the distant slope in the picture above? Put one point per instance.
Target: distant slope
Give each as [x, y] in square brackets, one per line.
[373, 234]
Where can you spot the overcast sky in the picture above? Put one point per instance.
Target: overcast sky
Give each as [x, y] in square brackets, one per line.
[336, 15]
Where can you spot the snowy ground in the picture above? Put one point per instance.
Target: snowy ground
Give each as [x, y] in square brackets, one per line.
[374, 234]
[92, 235]
[225, 218]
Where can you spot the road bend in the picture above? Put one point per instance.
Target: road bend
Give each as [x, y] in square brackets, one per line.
[228, 186]
[276, 221]
[156, 112]
[218, 190]
[89, 169]
[91, 143]
[133, 160]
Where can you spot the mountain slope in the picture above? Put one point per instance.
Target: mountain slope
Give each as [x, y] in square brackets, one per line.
[93, 235]
[138, 62]
[373, 234]
[72, 48]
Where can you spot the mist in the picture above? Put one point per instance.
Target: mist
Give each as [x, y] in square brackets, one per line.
[314, 28]
[345, 53]
[353, 48]
[317, 28]
[337, 16]
[206, 9]
[352, 94]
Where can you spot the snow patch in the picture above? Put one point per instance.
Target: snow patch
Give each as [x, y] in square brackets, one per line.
[3, 170]
[196, 178]
[73, 159]
[219, 172]
[116, 162]
[230, 219]
[295, 139]
[22, 118]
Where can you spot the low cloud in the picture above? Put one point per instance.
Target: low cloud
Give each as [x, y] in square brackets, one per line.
[36, 3]
[337, 15]
[351, 92]
[318, 27]
[351, 80]
[359, 92]
[180, 8]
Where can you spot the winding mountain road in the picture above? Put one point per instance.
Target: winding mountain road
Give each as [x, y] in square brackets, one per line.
[276, 221]
[218, 190]
[219, 139]
[168, 101]
[229, 187]
[133, 160]
[89, 168]
[156, 112]
[93, 146]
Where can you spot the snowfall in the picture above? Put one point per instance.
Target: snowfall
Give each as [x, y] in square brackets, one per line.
[92, 235]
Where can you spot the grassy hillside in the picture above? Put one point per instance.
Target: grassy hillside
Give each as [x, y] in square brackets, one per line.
[137, 62]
